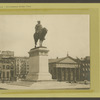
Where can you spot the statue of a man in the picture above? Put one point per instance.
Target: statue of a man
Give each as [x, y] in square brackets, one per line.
[40, 33]
[38, 27]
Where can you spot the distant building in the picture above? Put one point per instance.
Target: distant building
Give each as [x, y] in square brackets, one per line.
[7, 54]
[22, 66]
[7, 66]
[12, 67]
[62, 69]
[70, 69]
[85, 68]
[0, 67]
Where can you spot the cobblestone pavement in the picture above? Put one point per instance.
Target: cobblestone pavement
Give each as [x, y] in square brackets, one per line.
[43, 85]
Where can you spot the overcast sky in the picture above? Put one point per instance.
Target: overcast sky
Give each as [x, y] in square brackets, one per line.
[66, 33]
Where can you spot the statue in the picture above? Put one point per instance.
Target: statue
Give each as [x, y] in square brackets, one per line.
[39, 34]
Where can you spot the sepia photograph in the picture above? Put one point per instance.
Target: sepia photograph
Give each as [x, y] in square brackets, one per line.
[43, 52]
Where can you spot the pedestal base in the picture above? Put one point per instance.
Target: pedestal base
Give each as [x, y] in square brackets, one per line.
[38, 65]
[39, 77]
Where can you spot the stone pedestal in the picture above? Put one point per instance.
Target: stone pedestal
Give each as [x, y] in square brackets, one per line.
[38, 65]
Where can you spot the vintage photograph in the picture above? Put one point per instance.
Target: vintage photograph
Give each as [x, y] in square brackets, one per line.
[45, 51]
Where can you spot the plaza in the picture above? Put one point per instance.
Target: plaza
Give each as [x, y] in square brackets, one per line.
[44, 85]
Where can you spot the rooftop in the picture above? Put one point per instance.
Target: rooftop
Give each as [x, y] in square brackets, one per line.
[67, 59]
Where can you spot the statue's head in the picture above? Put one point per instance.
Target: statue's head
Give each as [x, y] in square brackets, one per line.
[38, 22]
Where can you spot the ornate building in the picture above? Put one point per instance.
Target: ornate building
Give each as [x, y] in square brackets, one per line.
[69, 69]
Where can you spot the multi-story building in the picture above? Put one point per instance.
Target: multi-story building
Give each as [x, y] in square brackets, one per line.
[85, 68]
[12, 67]
[22, 66]
[0, 67]
[7, 66]
[7, 54]
[62, 69]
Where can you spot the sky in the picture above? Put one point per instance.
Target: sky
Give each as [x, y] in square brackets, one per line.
[66, 34]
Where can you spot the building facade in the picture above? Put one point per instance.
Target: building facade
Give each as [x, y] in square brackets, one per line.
[62, 69]
[69, 69]
[7, 66]
[12, 68]
[85, 68]
[22, 67]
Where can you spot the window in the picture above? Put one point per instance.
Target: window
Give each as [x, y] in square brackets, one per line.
[0, 75]
[7, 74]
[3, 74]
[7, 61]
[3, 66]
[12, 73]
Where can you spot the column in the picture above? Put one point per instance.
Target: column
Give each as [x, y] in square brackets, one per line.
[57, 73]
[75, 75]
[61, 74]
[66, 74]
[69, 74]
[79, 75]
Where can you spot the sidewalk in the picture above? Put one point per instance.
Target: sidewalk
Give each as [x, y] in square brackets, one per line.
[43, 85]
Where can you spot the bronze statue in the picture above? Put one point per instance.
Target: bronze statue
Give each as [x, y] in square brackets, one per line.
[39, 34]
